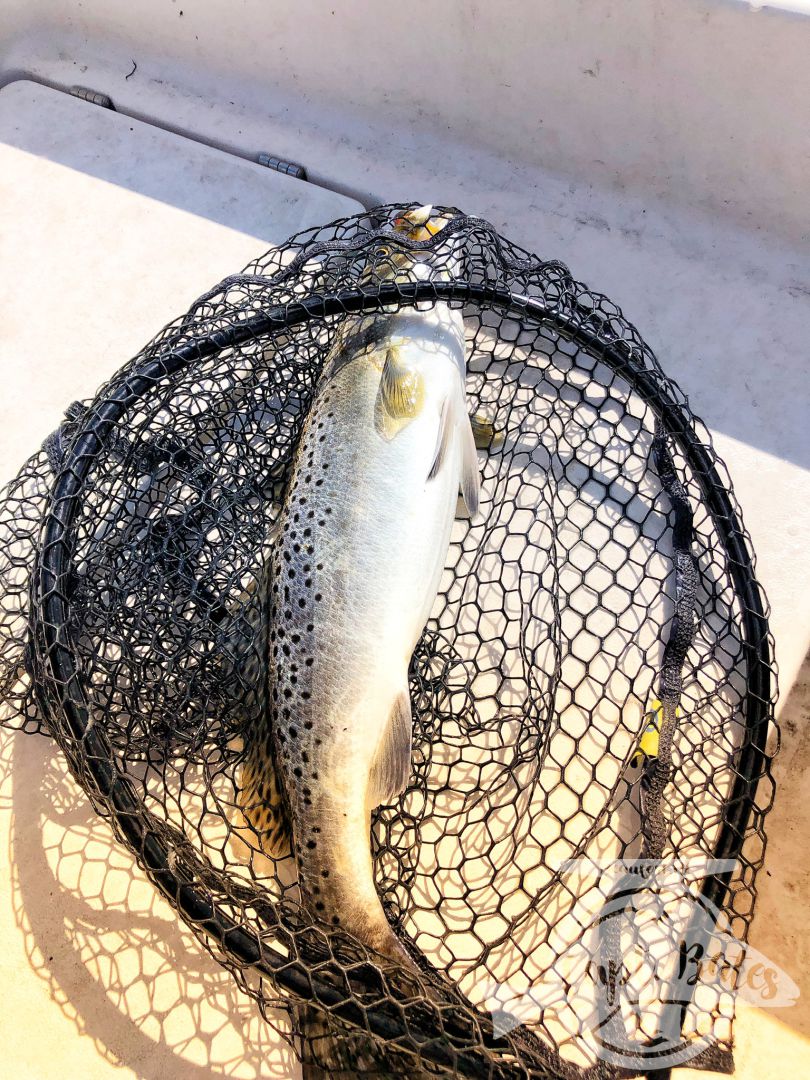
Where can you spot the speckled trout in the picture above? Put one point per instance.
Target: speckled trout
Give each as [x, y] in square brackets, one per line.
[355, 569]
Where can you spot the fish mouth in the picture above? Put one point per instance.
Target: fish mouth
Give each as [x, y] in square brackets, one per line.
[420, 221]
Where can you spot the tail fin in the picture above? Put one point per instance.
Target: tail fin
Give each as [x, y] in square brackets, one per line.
[331, 1051]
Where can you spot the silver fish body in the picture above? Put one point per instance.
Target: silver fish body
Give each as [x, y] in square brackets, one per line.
[362, 543]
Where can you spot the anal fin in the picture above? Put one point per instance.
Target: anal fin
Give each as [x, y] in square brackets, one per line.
[262, 807]
[391, 767]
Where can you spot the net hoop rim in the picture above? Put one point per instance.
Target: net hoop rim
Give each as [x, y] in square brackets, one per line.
[169, 869]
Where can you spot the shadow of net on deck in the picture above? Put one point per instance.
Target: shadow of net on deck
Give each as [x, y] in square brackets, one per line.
[605, 586]
[115, 959]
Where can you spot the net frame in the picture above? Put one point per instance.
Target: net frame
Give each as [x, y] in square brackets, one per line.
[585, 320]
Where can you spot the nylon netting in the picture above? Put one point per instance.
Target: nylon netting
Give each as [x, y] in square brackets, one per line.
[605, 589]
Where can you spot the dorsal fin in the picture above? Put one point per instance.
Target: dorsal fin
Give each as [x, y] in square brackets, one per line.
[391, 767]
[443, 438]
[454, 422]
[470, 473]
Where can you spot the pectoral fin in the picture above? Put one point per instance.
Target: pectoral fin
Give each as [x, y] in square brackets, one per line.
[391, 767]
[400, 397]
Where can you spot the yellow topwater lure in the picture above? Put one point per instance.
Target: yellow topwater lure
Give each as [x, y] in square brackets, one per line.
[648, 744]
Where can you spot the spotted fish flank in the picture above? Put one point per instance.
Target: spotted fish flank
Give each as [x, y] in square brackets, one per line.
[355, 570]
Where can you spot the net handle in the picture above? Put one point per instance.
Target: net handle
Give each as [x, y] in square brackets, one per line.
[171, 873]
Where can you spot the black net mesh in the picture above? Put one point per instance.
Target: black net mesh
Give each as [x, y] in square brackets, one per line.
[593, 688]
